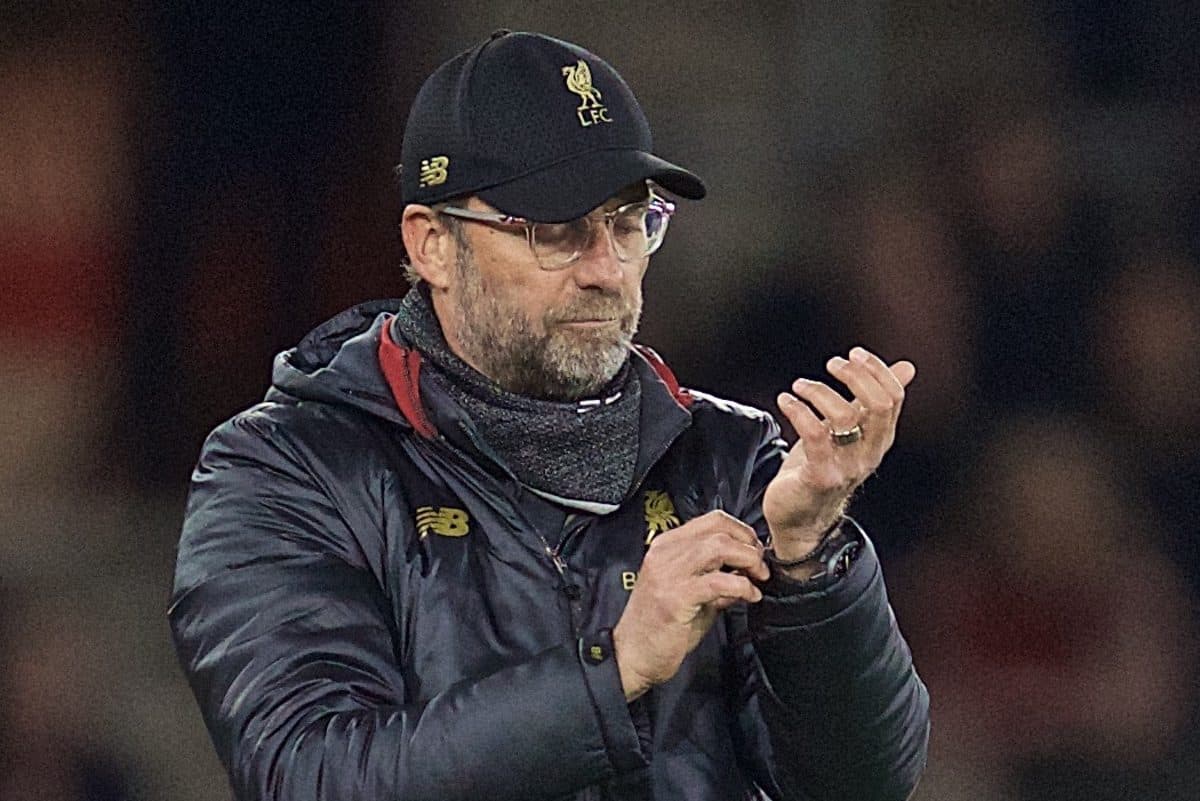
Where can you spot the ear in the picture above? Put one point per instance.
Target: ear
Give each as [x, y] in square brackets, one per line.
[429, 244]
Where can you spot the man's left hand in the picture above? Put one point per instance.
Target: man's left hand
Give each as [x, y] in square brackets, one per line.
[818, 476]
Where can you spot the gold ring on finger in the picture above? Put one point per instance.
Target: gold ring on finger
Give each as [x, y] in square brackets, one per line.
[849, 436]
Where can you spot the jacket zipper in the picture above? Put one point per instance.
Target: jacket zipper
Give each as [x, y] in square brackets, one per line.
[574, 595]
[572, 590]
[567, 584]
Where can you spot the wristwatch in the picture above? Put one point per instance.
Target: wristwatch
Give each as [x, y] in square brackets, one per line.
[834, 553]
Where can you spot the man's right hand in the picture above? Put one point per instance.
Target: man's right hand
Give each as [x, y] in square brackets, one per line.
[689, 575]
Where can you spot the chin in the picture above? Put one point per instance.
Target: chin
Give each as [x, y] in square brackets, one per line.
[579, 372]
[600, 369]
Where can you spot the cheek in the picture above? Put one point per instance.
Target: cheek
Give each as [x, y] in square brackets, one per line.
[636, 277]
[633, 285]
[523, 302]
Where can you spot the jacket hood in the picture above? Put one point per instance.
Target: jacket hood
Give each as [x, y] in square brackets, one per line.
[338, 362]
[353, 360]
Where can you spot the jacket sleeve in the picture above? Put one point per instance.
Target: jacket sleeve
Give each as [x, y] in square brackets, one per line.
[285, 633]
[832, 679]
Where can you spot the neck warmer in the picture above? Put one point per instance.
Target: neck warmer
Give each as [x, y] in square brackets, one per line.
[581, 453]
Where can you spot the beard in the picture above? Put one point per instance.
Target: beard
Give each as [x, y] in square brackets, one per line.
[543, 359]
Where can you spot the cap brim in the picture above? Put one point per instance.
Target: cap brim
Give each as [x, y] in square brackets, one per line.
[574, 187]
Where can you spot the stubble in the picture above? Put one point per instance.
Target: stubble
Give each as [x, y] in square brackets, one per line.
[548, 361]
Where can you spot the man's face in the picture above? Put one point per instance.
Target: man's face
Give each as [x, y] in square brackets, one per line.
[559, 335]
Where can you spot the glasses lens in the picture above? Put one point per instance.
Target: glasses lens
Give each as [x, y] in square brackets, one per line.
[629, 232]
[656, 227]
[637, 230]
[558, 244]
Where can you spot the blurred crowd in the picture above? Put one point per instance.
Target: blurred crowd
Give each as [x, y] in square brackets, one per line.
[1007, 194]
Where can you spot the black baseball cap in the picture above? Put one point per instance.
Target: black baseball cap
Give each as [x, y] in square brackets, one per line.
[537, 127]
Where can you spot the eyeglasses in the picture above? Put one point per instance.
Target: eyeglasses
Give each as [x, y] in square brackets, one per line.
[635, 230]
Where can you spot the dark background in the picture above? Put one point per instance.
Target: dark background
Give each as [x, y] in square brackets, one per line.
[1006, 193]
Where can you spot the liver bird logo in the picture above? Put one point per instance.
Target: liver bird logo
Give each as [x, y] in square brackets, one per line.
[660, 514]
[579, 81]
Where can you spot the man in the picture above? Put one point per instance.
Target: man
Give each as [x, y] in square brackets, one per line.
[476, 545]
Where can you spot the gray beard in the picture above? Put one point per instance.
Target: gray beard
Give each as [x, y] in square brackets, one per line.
[559, 364]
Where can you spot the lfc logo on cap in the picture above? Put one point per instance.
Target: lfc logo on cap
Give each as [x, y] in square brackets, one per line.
[579, 81]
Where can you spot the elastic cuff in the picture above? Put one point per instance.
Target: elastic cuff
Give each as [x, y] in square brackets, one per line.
[786, 610]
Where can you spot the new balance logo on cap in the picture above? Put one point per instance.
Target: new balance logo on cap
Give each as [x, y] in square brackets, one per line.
[433, 171]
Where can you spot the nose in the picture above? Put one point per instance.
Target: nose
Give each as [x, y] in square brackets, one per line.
[598, 265]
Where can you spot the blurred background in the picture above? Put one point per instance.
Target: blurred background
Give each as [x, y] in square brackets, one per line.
[1005, 192]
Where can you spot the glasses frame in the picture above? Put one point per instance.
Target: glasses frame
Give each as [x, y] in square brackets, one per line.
[653, 201]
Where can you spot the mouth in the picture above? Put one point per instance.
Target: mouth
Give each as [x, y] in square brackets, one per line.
[590, 323]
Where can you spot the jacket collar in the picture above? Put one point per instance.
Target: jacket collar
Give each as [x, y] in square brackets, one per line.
[432, 413]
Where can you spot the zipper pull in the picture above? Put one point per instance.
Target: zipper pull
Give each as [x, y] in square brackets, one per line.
[559, 562]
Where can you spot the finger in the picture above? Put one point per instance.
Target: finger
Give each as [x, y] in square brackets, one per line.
[728, 586]
[707, 523]
[866, 386]
[878, 368]
[832, 406]
[756, 570]
[719, 552]
[905, 371]
[716, 520]
[721, 604]
[813, 432]
[719, 520]
[894, 378]
[713, 541]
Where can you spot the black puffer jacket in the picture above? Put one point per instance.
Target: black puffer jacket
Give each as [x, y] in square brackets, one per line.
[366, 609]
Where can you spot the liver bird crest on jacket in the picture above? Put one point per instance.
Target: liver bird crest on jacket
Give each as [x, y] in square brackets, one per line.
[579, 81]
[660, 514]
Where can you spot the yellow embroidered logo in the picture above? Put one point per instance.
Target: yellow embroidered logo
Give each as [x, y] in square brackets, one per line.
[433, 170]
[579, 81]
[443, 520]
[660, 514]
